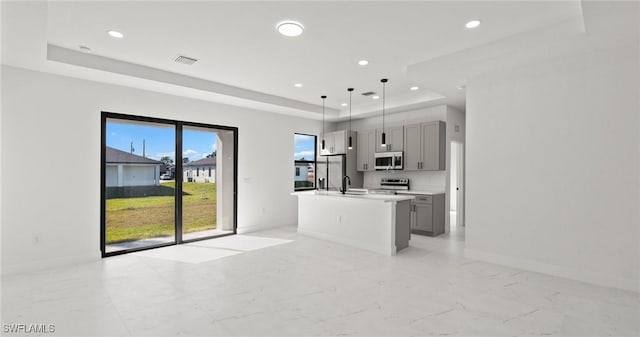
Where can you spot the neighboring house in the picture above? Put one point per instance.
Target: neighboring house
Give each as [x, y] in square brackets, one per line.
[125, 169]
[311, 172]
[201, 171]
[167, 171]
[301, 172]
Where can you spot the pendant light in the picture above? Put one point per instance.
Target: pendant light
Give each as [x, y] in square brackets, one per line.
[350, 139]
[323, 98]
[384, 136]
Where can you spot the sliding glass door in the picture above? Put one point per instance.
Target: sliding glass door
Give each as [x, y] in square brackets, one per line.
[205, 179]
[165, 182]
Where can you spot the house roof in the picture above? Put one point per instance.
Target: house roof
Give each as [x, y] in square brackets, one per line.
[211, 161]
[122, 157]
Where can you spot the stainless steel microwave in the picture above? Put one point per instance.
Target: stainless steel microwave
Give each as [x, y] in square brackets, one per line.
[389, 161]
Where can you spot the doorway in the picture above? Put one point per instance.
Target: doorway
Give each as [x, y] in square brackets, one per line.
[456, 201]
[165, 182]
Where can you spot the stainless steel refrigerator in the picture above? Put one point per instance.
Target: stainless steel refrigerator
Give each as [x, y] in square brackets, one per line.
[331, 169]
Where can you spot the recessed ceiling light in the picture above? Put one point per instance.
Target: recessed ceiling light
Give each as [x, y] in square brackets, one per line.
[473, 24]
[290, 28]
[84, 48]
[363, 62]
[298, 85]
[344, 104]
[115, 34]
[414, 88]
[375, 97]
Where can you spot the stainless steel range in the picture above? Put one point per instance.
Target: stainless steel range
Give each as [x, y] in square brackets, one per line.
[391, 185]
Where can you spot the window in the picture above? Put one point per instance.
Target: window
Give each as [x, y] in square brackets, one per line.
[140, 211]
[197, 172]
[304, 162]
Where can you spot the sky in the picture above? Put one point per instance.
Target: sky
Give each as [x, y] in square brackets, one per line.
[159, 140]
[304, 147]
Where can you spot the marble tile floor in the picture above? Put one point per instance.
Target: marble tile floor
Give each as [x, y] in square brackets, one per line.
[316, 288]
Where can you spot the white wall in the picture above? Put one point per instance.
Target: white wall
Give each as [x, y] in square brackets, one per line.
[553, 167]
[53, 119]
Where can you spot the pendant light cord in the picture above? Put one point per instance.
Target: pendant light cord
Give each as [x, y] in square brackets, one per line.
[350, 91]
[384, 84]
[323, 97]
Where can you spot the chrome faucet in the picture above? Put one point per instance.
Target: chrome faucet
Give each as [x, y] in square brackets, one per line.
[346, 181]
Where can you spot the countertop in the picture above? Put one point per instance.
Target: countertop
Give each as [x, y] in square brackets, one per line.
[332, 194]
[420, 192]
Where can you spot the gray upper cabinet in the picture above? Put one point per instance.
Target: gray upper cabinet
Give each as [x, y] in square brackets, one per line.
[425, 146]
[394, 137]
[412, 148]
[366, 149]
[340, 142]
[334, 143]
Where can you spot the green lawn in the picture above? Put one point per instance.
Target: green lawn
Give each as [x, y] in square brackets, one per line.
[129, 219]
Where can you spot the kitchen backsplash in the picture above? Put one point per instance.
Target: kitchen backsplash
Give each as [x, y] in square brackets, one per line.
[418, 180]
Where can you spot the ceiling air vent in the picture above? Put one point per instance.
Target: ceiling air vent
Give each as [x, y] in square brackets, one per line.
[368, 93]
[185, 60]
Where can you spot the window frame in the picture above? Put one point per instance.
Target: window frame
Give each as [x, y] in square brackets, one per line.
[315, 155]
[178, 125]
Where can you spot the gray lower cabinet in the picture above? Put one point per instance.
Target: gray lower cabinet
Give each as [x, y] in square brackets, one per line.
[427, 214]
[403, 224]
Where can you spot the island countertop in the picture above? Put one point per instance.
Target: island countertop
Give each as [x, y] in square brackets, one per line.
[338, 195]
[376, 222]
[414, 192]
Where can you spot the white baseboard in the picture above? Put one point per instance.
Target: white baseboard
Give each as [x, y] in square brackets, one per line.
[47, 264]
[255, 228]
[555, 270]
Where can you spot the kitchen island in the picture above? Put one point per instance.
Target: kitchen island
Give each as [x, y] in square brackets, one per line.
[378, 223]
